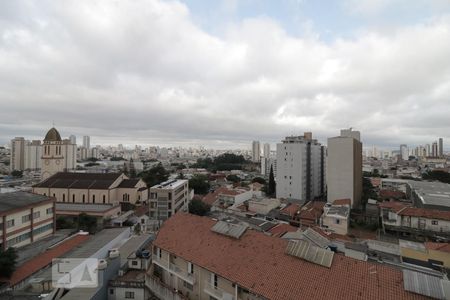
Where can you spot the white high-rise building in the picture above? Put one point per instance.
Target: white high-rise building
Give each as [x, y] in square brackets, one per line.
[441, 147]
[344, 167]
[404, 153]
[73, 139]
[300, 168]
[87, 142]
[256, 151]
[17, 159]
[266, 150]
[33, 153]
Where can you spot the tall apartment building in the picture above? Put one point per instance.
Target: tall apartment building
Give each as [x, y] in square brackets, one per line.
[300, 168]
[256, 151]
[441, 147]
[73, 139]
[17, 159]
[168, 198]
[434, 149]
[267, 163]
[266, 150]
[87, 142]
[404, 152]
[344, 167]
[33, 153]
[25, 218]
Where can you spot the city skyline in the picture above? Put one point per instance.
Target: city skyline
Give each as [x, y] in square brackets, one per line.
[262, 73]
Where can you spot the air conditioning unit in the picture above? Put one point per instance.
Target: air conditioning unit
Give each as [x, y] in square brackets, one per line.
[113, 253]
[102, 264]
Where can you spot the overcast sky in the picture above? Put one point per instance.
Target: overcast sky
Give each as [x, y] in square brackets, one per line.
[223, 73]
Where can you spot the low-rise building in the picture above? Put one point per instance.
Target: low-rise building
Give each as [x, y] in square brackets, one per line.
[420, 222]
[429, 254]
[263, 206]
[168, 198]
[429, 194]
[24, 218]
[336, 217]
[199, 258]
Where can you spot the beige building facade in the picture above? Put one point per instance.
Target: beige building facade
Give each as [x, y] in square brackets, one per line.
[25, 218]
[168, 198]
[344, 167]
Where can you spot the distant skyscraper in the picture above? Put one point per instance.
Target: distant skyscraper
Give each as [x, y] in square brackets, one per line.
[86, 142]
[73, 139]
[17, 159]
[441, 147]
[404, 153]
[33, 153]
[428, 149]
[434, 149]
[266, 150]
[300, 168]
[256, 151]
[344, 167]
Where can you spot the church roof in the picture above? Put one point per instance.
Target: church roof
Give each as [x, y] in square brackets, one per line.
[52, 135]
[100, 181]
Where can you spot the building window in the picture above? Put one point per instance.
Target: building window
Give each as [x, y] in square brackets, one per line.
[54, 195]
[26, 218]
[73, 198]
[49, 210]
[170, 196]
[188, 285]
[434, 222]
[111, 291]
[83, 198]
[214, 280]
[93, 198]
[129, 295]
[337, 221]
[190, 268]
[134, 263]
[36, 215]
[104, 199]
[64, 197]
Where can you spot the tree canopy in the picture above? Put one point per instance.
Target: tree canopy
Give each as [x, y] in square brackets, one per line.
[224, 162]
[87, 223]
[155, 175]
[271, 187]
[438, 175]
[200, 184]
[8, 260]
[259, 180]
[198, 207]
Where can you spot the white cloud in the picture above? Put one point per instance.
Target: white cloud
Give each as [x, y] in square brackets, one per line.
[143, 71]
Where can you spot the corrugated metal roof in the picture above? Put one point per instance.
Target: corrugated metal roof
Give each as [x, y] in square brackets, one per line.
[316, 238]
[311, 253]
[229, 229]
[423, 284]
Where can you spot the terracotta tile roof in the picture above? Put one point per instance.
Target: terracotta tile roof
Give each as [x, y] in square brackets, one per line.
[311, 211]
[390, 194]
[425, 213]
[291, 209]
[141, 210]
[342, 202]
[42, 260]
[281, 229]
[331, 235]
[444, 247]
[394, 205]
[258, 262]
[210, 198]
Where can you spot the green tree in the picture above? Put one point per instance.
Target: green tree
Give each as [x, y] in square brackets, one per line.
[438, 175]
[368, 192]
[200, 184]
[17, 173]
[259, 180]
[155, 175]
[198, 207]
[233, 178]
[87, 223]
[271, 188]
[132, 169]
[8, 260]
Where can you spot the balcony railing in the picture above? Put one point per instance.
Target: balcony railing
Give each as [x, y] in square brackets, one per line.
[174, 269]
[161, 290]
[216, 292]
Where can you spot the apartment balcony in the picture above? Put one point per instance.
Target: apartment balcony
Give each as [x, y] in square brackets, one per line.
[161, 290]
[216, 292]
[174, 269]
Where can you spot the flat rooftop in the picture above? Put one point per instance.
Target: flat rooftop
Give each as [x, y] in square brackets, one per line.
[432, 192]
[17, 200]
[170, 184]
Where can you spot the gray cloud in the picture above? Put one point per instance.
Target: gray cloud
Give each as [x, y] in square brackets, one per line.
[143, 72]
